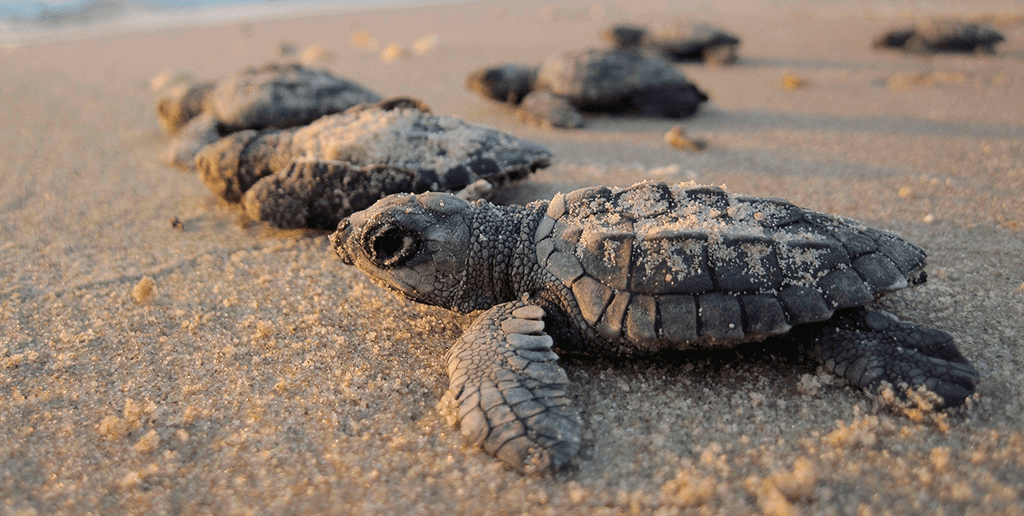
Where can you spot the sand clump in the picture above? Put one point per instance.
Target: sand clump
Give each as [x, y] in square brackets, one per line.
[676, 137]
[425, 44]
[315, 54]
[145, 290]
[793, 82]
[393, 52]
[363, 39]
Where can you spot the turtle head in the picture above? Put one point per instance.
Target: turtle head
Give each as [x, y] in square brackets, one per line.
[417, 245]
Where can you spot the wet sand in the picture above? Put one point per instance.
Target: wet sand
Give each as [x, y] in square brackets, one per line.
[256, 374]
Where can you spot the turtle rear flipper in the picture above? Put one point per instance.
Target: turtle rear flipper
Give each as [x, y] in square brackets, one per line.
[868, 347]
[544, 108]
[509, 391]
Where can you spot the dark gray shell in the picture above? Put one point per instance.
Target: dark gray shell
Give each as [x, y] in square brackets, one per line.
[271, 96]
[619, 80]
[283, 95]
[683, 266]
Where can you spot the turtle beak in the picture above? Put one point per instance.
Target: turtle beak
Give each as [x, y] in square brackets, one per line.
[340, 238]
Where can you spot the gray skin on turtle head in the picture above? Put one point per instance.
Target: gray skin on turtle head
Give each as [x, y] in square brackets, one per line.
[624, 81]
[271, 96]
[416, 245]
[637, 271]
[505, 83]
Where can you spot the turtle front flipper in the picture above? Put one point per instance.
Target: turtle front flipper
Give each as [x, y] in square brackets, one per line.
[509, 391]
[190, 139]
[318, 193]
[868, 347]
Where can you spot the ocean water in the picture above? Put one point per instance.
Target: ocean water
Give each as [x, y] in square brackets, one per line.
[34, 21]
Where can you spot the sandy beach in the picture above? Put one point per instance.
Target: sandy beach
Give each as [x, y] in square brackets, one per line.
[257, 374]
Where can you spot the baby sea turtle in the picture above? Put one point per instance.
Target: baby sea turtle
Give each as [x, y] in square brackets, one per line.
[314, 175]
[272, 96]
[678, 40]
[639, 270]
[936, 35]
[591, 80]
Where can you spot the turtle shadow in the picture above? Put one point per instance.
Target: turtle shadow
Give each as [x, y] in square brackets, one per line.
[774, 354]
[820, 64]
[712, 118]
[675, 398]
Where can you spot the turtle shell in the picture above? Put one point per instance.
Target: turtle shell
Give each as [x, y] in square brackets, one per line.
[619, 80]
[282, 95]
[682, 40]
[694, 266]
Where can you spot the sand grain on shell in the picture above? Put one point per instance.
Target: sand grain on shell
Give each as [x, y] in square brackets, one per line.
[669, 236]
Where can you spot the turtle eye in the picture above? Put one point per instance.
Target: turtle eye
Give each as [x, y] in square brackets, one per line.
[391, 246]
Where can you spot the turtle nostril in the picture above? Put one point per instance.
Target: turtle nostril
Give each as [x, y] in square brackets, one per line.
[339, 240]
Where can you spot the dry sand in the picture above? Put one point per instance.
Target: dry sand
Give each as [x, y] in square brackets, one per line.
[253, 373]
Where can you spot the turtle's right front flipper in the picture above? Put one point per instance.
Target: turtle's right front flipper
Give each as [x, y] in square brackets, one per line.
[231, 165]
[510, 393]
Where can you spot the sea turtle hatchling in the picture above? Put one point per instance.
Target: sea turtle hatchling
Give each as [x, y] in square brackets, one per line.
[677, 39]
[591, 80]
[271, 96]
[315, 175]
[639, 270]
[941, 35]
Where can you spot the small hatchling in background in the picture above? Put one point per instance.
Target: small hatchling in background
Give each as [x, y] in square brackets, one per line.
[938, 35]
[567, 84]
[677, 40]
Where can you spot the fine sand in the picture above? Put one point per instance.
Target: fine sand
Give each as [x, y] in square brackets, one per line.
[218, 366]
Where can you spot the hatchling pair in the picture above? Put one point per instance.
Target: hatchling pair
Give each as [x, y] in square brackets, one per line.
[313, 175]
[275, 95]
[638, 270]
[301, 148]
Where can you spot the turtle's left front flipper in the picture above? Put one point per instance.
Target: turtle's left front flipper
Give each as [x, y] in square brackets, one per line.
[868, 347]
[510, 393]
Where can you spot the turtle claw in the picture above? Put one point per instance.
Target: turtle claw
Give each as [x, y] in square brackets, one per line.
[870, 347]
[510, 393]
